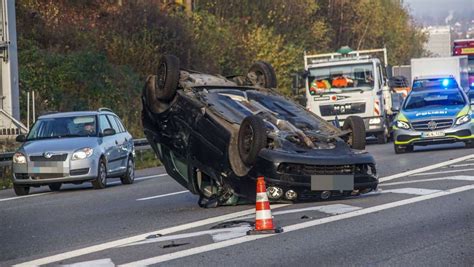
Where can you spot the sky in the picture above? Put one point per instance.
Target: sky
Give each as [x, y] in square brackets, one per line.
[431, 11]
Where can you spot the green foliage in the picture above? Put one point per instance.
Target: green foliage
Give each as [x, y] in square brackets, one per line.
[86, 54]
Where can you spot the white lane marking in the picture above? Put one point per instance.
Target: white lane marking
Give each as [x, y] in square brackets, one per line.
[332, 209]
[441, 172]
[20, 197]
[139, 178]
[412, 191]
[127, 240]
[94, 263]
[294, 227]
[456, 178]
[164, 195]
[424, 169]
[459, 165]
[217, 235]
[110, 183]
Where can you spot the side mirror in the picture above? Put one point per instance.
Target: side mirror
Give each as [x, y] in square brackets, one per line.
[21, 138]
[295, 83]
[108, 132]
[397, 101]
[389, 71]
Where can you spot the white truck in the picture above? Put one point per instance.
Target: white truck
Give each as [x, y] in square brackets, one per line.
[456, 66]
[351, 84]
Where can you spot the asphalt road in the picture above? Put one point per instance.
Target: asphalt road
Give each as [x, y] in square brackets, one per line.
[423, 214]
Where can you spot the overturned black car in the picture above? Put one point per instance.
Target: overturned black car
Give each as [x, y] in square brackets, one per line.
[216, 134]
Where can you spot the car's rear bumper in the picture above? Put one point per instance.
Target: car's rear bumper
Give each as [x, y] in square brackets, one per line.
[295, 172]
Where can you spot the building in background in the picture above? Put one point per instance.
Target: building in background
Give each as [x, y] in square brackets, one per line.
[10, 124]
[439, 41]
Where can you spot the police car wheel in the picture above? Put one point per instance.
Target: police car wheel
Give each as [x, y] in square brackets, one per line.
[402, 149]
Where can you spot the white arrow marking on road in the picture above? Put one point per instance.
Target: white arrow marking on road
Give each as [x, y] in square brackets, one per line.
[455, 178]
[441, 172]
[217, 235]
[412, 191]
[137, 238]
[425, 169]
[164, 195]
[294, 227]
[94, 263]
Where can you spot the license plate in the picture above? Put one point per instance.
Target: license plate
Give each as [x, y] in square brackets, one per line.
[433, 134]
[332, 182]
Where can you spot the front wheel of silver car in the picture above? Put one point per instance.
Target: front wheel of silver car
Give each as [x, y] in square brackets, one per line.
[129, 176]
[55, 186]
[21, 190]
[101, 181]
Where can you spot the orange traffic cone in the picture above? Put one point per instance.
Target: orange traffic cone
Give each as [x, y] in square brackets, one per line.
[263, 213]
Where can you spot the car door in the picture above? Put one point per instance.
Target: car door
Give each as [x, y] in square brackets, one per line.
[121, 141]
[109, 145]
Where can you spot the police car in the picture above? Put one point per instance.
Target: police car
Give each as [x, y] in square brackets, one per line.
[436, 111]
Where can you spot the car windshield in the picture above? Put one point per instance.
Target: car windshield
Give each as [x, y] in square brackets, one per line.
[341, 78]
[63, 127]
[436, 83]
[440, 98]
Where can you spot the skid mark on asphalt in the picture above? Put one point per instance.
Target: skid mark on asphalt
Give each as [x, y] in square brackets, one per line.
[294, 227]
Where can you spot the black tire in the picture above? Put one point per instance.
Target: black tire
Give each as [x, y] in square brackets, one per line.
[382, 138]
[265, 74]
[129, 176]
[470, 144]
[21, 190]
[252, 138]
[167, 78]
[402, 149]
[55, 187]
[357, 137]
[101, 181]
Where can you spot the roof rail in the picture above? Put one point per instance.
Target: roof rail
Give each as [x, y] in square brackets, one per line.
[105, 109]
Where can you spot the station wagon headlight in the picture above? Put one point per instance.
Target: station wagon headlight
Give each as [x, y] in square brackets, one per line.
[403, 125]
[82, 153]
[463, 119]
[19, 158]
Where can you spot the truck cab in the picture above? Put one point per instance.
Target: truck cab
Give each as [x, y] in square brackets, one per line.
[341, 85]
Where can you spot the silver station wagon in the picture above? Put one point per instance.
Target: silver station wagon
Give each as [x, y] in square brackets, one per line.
[74, 147]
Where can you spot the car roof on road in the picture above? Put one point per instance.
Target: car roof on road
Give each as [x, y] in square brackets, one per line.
[73, 113]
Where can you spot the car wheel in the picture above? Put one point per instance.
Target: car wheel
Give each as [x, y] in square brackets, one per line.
[21, 190]
[129, 176]
[55, 186]
[470, 144]
[357, 136]
[402, 149]
[382, 138]
[101, 181]
[167, 78]
[252, 138]
[262, 74]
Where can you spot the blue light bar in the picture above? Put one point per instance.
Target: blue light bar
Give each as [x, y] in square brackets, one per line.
[445, 82]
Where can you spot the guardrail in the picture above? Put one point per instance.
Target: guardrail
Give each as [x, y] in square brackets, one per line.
[6, 157]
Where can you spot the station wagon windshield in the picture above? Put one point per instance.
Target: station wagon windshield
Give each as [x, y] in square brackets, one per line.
[64, 127]
[341, 78]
